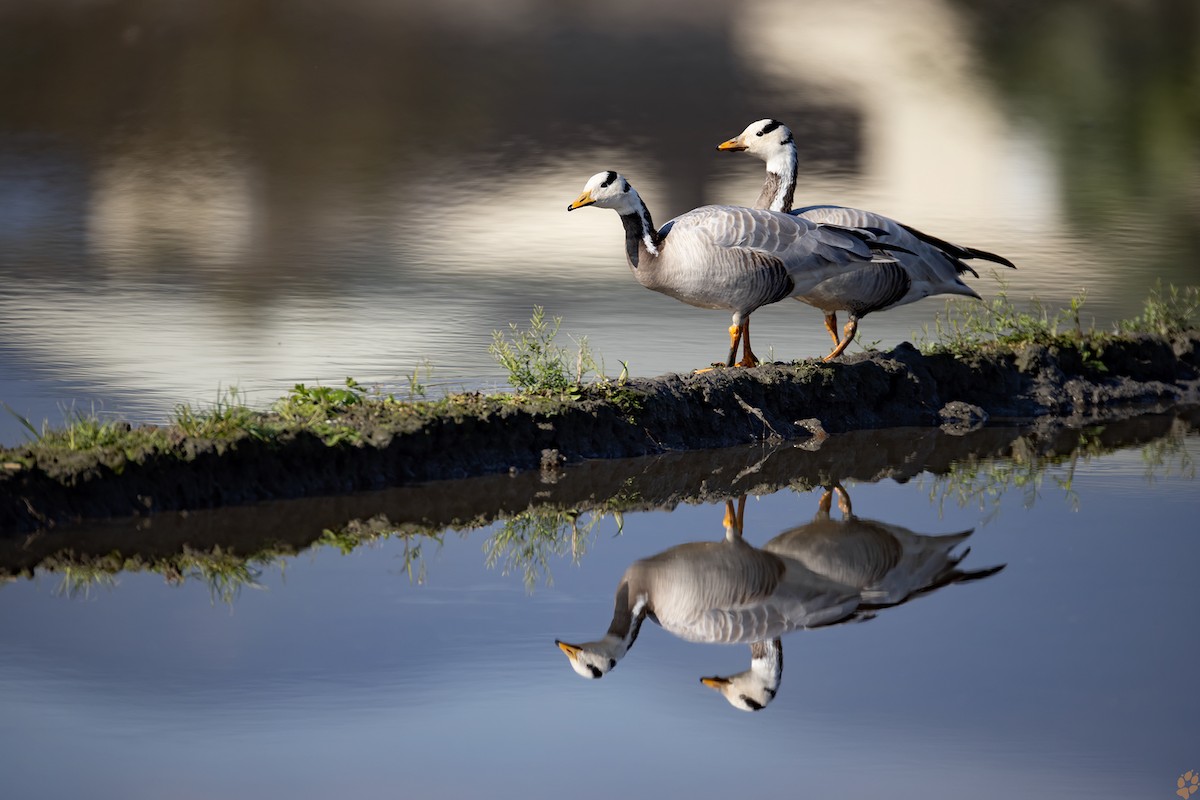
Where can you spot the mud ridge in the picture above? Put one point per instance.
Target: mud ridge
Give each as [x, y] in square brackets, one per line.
[1072, 386]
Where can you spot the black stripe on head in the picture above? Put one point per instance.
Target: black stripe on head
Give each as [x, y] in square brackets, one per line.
[754, 705]
[789, 139]
[608, 179]
[771, 125]
[626, 185]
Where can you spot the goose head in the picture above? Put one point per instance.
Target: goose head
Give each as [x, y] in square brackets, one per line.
[768, 139]
[754, 689]
[608, 190]
[593, 659]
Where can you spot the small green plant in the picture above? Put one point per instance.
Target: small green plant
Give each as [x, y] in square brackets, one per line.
[970, 325]
[84, 431]
[417, 389]
[310, 404]
[1167, 312]
[25, 423]
[229, 415]
[967, 325]
[535, 364]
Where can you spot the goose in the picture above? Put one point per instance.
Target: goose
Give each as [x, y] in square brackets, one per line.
[888, 564]
[924, 265]
[729, 257]
[724, 592]
[826, 572]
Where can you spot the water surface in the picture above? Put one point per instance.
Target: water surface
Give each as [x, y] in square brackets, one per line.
[421, 667]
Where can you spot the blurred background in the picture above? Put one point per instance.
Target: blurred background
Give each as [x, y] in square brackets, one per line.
[253, 193]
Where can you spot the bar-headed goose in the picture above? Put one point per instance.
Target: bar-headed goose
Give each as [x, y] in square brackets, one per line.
[728, 257]
[725, 592]
[925, 266]
[888, 564]
[826, 572]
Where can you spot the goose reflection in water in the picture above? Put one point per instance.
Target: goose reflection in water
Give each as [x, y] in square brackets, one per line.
[825, 572]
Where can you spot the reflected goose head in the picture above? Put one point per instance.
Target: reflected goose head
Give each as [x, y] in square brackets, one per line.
[608, 190]
[767, 139]
[754, 689]
[593, 659]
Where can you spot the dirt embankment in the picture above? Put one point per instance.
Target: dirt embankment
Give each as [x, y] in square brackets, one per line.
[1105, 380]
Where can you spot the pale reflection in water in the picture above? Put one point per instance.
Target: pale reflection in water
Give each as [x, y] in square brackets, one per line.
[825, 572]
[200, 194]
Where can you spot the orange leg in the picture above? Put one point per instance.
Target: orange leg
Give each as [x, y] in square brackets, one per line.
[825, 503]
[843, 500]
[735, 338]
[734, 519]
[748, 357]
[851, 330]
[831, 326]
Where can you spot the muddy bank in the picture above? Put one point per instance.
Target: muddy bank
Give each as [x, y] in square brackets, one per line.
[473, 435]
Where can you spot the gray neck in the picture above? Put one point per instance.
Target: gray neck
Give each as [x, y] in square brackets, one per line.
[766, 662]
[641, 237]
[779, 189]
[629, 612]
[778, 192]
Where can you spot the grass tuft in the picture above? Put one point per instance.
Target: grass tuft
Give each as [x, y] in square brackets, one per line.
[1167, 311]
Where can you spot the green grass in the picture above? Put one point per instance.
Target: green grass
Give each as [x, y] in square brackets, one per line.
[537, 365]
[965, 326]
[227, 416]
[1167, 311]
[548, 378]
[971, 326]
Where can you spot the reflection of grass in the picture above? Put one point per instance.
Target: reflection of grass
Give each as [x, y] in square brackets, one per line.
[528, 543]
[359, 533]
[530, 540]
[1169, 456]
[982, 482]
[78, 580]
[225, 573]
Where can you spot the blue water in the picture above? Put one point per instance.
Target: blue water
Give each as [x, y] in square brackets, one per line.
[1069, 673]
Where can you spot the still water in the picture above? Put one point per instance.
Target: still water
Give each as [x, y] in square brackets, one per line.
[254, 193]
[397, 654]
[196, 196]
